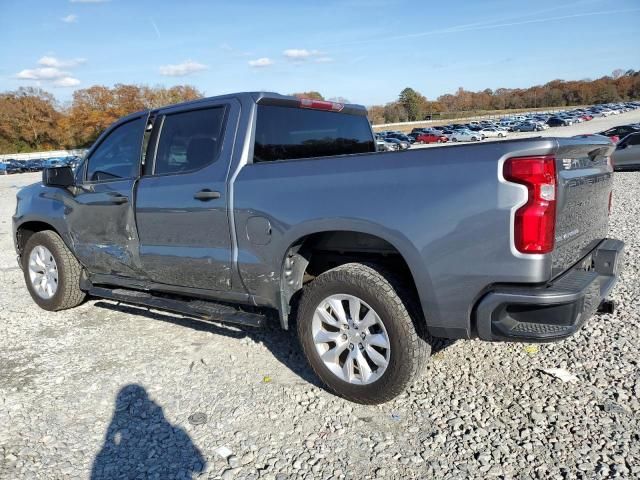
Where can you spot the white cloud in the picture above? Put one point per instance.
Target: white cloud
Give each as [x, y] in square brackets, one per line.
[302, 55]
[57, 63]
[299, 53]
[182, 69]
[72, 18]
[261, 62]
[66, 82]
[46, 73]
[52, 71]
[57, 77]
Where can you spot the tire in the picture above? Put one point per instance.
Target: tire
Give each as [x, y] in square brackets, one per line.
[407, 350]
[67, 293]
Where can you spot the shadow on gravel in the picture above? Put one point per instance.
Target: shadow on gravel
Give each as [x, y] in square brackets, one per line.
[283, 344]
[141, 443]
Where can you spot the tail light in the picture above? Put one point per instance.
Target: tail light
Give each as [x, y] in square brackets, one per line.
[321, 105]
[535, 221]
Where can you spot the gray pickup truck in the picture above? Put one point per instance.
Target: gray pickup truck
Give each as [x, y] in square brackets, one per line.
[230, 207]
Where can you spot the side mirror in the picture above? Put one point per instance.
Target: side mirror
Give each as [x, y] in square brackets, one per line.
[58, 177]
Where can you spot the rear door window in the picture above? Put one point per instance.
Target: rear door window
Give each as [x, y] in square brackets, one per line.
[284, 133]
[189, 140]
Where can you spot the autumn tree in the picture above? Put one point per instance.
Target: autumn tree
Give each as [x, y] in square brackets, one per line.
[29, 121]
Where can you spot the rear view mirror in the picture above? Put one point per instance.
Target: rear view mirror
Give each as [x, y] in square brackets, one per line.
[58, 177]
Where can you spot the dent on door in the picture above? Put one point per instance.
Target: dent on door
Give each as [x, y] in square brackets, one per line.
[102, 228]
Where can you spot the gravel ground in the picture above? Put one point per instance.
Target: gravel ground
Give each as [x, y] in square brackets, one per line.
[109, 391]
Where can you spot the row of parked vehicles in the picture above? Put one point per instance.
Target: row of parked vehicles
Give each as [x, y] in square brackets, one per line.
[10, 166]
[470, 132]
[476, 131]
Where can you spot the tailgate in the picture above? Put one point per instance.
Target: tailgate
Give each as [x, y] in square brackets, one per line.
[585, 180]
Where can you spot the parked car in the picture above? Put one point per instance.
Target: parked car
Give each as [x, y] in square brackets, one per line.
[492, 132]
[401, 144]
[34, 165]
[432, 138]
[465, 136]
[627, 153]
[382, 146]
[9, 167]
[557, 122]
[18, 166]
[401, 137]
[527, 127]
[619, 132]
[310, 226]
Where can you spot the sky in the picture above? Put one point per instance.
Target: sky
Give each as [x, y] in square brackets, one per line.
[365, 51]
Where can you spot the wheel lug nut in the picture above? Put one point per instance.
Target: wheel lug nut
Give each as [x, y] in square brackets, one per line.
[351, 346]
[361, 346]
[344, 336]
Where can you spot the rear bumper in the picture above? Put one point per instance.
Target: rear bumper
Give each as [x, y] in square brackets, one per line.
[554, 311]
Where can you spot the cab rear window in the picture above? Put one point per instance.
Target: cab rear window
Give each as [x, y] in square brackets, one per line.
[285, 133]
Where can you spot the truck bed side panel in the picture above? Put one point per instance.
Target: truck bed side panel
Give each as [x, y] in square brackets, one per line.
[443, 209]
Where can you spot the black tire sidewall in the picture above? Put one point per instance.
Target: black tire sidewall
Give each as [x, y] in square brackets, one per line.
[399, 370]
[42, 238]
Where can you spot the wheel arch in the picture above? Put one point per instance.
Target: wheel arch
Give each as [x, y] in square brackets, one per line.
[26, 229]
[300, 260]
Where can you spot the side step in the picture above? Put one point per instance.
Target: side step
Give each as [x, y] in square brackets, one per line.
[206, 310]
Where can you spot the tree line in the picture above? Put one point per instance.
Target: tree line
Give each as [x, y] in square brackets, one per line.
[32, 120]
[411, 105]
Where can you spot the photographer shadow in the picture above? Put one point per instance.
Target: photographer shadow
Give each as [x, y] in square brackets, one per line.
[141, 443]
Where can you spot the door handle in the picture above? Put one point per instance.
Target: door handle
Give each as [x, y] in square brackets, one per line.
[118, 199]
[206, 194]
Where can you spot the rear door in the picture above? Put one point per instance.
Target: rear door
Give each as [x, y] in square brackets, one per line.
[101, 220]
[585, 180]
[182, 199]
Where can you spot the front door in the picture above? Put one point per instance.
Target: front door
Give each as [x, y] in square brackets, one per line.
[101, 217]
[181, 200]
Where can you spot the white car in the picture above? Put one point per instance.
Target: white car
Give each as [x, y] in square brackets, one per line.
[465, 136]
[491, 132]
[382, 146]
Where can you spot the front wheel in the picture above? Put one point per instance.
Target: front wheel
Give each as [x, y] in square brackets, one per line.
[51, 272]
[356, 328]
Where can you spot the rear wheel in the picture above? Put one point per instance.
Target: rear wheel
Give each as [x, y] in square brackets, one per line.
[356, 328]
[454, 139]
[51, 272]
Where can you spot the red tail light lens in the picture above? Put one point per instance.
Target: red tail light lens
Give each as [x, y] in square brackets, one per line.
[535, 221]
[321, 105]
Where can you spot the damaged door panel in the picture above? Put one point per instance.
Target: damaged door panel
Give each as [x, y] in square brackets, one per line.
[181, 205]
[102, 219]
